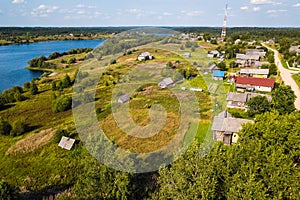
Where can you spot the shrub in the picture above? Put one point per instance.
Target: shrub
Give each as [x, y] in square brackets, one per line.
[27, 85]
[113, 61]
[61, 104]
[58, 135]
[66, 82]
[6, 191]
[33, 88]
[72, 61]
[18, 128]
[5, 127]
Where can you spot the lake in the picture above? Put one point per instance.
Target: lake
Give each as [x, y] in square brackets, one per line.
[14, 58]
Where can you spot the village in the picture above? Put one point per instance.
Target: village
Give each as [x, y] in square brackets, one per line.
[252, 73]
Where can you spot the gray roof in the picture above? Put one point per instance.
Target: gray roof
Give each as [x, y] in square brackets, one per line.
[227, 123]
[239, 97]
[240, 56]
[295, 48]
[259, 52]
[166, 82]
[252, 57]
[255, 71]
[214, 52]
[124, 98]
[213, 66]
[66, 143]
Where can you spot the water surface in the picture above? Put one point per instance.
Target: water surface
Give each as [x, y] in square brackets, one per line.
[14, 58]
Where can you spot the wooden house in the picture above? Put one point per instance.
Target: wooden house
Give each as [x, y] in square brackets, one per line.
[225, 128]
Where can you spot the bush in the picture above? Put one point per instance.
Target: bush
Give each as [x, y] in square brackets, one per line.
[61, 104]
[18, 128]
[113, 61]
[5, 127]
[33, 88]
[6, 191]
[72, 61]
[59, 134]
[66, 82]
[27, 85]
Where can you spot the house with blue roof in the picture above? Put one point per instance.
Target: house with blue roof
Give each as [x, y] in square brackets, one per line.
[218, 75]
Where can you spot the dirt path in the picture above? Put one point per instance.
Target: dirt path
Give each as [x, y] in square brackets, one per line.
[286, 76]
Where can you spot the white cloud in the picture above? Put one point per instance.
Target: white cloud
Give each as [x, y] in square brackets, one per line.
[18, 1]
[167, 14]
[244, 8]
[262, 2]
[296, 5]
[43, 10]
[81, 12]
[255, 9]
[85, 6]
[259, 2]
[194, 13]
[275, 11]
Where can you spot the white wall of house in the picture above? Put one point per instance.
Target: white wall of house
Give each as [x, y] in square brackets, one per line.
[263, 89]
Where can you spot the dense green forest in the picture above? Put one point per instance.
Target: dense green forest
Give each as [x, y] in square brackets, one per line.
[17, 35]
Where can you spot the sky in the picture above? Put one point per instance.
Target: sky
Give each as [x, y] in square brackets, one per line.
[97, 13]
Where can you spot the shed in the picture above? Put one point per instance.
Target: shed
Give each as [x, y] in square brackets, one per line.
[213, 67]
[218, 75]
[124, 98]
[145, 56]
[187, 55]
[165, 83]
[66, 143]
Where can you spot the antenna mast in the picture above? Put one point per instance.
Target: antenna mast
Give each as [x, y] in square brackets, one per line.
[223, 34]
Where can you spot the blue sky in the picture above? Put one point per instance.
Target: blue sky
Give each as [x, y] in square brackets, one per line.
[271, 13]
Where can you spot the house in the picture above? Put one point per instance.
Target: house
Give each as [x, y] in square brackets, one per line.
[213, 67]
[145, 56]
[244, 60]
[123, 99]
[66, 143]
[225, 128]
[236, 100]
[295, 48]
[260, 52]
[257, 73]
[213, 54]
[239, 100]
[257, 84]
[187, 55]
[218, 75]
[165, 83]
[270, 42]
[237, 41]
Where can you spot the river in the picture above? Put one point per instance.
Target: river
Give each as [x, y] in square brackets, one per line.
[14, 58]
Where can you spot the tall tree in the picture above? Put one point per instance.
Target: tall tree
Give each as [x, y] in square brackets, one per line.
[264, 165]
[284, 99]
[258, 105]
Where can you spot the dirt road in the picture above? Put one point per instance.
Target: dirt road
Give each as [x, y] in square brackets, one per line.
[286, 76]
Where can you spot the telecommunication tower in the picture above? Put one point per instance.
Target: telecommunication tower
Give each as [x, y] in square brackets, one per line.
[223, 34]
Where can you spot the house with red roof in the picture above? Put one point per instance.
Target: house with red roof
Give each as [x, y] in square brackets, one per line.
[255, 84]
